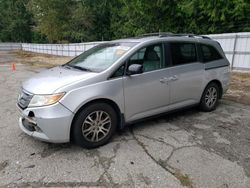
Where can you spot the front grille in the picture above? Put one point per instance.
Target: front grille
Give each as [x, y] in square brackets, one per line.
[24, 99]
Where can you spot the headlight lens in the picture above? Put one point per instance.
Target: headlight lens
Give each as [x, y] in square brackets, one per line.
[44, 100]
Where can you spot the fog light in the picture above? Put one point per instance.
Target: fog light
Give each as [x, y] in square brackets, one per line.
[31, 120]
[29, 125]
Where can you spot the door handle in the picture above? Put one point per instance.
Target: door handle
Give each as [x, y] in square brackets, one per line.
[173, 78]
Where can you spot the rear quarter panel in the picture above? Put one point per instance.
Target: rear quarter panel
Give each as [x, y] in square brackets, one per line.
[218, 70]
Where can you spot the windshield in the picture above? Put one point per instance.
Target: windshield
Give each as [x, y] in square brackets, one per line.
[101, 57]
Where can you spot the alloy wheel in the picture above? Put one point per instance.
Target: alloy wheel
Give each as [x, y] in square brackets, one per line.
[96, 126]
[211, 97]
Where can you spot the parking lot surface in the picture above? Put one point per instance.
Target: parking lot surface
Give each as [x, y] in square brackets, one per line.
[184, 149]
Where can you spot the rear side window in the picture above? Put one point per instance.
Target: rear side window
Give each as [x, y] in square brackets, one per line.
[183, 53]
[209, 53]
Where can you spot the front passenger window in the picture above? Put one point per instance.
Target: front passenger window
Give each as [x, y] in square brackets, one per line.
[150, 57]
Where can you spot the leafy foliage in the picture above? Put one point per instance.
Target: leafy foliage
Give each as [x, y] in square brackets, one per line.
[15, 21]
[89, 20]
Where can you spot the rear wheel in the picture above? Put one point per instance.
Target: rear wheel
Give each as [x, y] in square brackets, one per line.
[94, 125]
[210, 97]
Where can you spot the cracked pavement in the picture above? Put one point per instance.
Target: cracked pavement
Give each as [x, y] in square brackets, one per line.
[184, 149]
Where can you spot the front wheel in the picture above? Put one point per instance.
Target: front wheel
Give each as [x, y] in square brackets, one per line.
[94, 125]
[210, 97]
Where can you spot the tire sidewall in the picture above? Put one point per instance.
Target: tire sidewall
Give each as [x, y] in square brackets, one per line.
[79, 139]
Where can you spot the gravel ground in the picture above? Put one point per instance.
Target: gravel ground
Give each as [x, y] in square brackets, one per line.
[42, 60]
[184, 149]
[239, 89]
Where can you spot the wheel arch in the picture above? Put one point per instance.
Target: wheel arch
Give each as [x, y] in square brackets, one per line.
[218, 83]
[100, 100]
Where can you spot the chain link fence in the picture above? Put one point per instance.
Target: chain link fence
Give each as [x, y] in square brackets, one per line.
[10, 46]
[72, 49]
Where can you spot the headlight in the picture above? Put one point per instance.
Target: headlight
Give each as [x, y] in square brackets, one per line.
[44, 100]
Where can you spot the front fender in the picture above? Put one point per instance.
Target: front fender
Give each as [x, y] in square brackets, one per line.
[110, 89]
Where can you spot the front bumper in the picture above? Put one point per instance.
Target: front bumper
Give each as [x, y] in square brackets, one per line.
[50, 123]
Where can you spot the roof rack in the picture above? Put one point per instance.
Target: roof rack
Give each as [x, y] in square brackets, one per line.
[160, 34]
[169, 34]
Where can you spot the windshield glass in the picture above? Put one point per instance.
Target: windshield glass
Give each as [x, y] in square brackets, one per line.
[101, 57]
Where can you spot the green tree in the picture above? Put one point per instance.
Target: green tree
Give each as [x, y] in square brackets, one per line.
[90, 20]
[143, 16]
[81, 23]
[101, 18]
[52, 18]
[63, 20]
[216, 16]
[15, 21]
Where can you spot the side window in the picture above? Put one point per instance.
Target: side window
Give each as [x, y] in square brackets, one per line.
[183, 53]
[150, 57]
[119, 72]
[139, 55]
[209, 53]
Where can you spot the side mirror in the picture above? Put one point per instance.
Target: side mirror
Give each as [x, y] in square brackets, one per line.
[135, 69]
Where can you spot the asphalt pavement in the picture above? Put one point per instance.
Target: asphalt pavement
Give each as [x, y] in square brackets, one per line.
[184, 149]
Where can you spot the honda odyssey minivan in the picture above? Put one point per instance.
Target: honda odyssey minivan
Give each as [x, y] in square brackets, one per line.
[119, 82]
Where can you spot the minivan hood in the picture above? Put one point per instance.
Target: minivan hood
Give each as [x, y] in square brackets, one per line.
[48, 81]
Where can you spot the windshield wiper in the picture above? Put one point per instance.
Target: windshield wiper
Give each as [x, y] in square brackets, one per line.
[66, 66]
[80, 68]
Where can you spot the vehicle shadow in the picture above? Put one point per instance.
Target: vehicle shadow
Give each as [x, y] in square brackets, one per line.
[162, 118]
[125, 133]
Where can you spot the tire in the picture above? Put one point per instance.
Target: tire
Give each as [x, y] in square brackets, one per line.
[210, 97]
[96, 121]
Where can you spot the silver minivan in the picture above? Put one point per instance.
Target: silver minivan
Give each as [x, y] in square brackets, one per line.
[119, 82]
